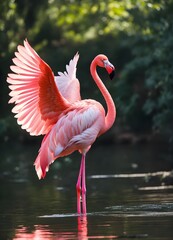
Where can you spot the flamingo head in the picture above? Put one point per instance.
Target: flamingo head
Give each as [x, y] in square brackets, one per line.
[102, 61]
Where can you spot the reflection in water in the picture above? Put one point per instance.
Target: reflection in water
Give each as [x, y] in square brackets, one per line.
[42, 232]
[82, 227]
[38, 234]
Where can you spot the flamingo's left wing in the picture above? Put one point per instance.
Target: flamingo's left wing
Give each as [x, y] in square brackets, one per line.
[33, 89]
[67, 82]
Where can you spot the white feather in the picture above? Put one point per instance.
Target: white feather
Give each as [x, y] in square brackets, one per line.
[67, 82]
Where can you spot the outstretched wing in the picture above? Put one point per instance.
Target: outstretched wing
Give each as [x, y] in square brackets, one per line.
[67, 82]
[33, 89]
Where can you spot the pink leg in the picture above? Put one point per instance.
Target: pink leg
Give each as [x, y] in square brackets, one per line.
[81, 188]
[78, 190]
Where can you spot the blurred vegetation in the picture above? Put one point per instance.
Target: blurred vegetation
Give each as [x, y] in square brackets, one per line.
[137, 36]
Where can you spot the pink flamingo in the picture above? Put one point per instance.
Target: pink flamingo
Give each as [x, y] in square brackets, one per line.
[51, 105]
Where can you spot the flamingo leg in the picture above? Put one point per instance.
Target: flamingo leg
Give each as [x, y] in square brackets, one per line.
[81, 188]
[78, 189]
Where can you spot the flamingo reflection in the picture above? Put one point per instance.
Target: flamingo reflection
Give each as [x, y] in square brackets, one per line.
[42, 232]
[82, 227]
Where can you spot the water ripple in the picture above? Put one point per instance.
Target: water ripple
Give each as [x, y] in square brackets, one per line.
[144, 210]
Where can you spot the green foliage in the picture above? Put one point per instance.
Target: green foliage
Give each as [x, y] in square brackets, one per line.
[136, 35]
[149, 74]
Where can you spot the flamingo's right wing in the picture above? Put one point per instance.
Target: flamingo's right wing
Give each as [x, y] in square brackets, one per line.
[34, 91]
[67, 82]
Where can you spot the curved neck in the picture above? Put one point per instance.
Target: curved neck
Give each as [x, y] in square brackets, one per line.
[111, 110]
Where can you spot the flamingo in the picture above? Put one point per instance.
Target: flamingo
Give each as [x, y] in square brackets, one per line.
[51, 105]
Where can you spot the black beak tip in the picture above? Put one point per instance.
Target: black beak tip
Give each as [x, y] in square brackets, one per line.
[112, 74]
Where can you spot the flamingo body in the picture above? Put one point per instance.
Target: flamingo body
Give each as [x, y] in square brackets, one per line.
[51, 105]
[76, 129]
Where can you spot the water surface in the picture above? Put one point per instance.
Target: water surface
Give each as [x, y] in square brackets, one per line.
[117, 207]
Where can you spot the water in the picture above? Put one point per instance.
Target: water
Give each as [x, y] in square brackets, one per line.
[119, 205]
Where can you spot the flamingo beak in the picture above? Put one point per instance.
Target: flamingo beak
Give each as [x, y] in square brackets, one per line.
[109, 68]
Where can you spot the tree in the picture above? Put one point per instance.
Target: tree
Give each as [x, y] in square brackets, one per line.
[137, 35]
[148, 76]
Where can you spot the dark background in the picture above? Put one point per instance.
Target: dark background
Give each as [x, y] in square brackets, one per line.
[137, 36]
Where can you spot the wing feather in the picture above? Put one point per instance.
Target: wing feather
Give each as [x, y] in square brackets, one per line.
[67, 82]
[38, 102]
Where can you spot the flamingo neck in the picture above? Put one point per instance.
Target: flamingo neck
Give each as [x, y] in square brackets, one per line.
[111, 110]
